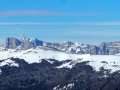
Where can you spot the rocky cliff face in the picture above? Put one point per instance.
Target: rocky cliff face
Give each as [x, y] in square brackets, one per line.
[22, 43]
[30, 43]
[22, 38]
[112, 47]
[104, 48]
[12, 43]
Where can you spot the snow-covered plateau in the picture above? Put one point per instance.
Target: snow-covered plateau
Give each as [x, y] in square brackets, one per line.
[35, 55]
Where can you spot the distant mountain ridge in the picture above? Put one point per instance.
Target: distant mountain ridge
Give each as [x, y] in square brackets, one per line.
[23, 43]
[32, 64]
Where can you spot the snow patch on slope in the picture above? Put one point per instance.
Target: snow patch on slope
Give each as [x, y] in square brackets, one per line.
[9, 62]
[66, 65]
[7, 54]
[109, 62]
[35, 55]
[66, 87]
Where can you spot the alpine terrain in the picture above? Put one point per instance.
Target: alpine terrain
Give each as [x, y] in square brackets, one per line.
[33, 64]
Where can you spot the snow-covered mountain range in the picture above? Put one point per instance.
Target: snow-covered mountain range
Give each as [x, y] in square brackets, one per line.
[36, 55]
[33, 50]
[32, 57]
[23, 43]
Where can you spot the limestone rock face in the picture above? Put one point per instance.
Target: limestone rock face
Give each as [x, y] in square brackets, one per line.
[105, 48]
[23, 43]
[113, 47]
[31, 43]
[12, 43]
[94, 50]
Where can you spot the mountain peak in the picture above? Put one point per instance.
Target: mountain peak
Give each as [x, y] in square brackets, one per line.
[22, 37]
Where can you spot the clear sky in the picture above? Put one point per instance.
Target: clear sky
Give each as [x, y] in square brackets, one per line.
[87, 21]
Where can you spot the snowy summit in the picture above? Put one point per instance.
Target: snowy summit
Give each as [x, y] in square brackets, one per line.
[22, 38]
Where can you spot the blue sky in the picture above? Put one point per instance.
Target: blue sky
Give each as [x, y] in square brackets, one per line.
[87, 21]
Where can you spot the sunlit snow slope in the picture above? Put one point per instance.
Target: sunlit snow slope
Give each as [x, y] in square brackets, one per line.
[109, 62]
[35, 55]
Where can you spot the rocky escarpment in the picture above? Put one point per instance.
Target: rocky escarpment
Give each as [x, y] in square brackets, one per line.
[22, 43]
[105, 48]
[12, 43]
[30, 43]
